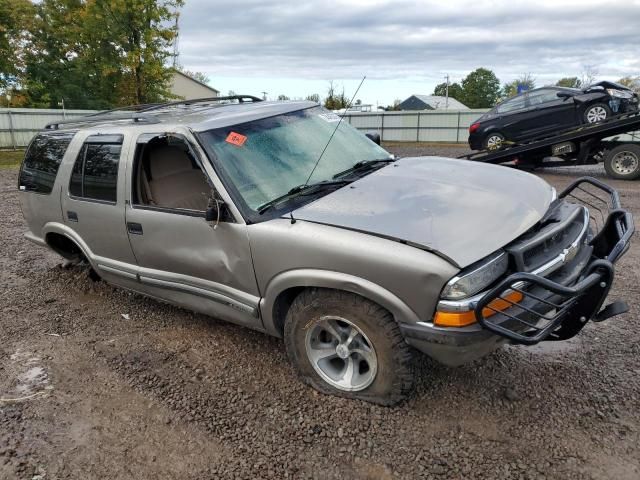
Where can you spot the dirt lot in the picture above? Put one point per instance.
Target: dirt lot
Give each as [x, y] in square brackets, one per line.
[126, 387]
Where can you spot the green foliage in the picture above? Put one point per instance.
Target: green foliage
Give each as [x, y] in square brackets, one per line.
[199, 76]
[570, 82]
[313, 98]
[100, 53]
[511, 89]
[481, 89]
[15, 21]
[334, 100]
[455, 91]
[283, 97]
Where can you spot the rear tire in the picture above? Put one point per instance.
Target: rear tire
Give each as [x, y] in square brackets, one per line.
[623, 162]
[493, 141]
[345, 345]
[597, 112]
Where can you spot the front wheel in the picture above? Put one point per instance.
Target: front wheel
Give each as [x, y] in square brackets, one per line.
[343, 344]
[623, 162]
[597, 112]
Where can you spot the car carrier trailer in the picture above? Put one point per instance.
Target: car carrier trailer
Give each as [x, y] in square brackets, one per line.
[586, 145]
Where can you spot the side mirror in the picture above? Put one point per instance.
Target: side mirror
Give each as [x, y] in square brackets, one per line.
[564, 95]
[212, 213]
[374, 137]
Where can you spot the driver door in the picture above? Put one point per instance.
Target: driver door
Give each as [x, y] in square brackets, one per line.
[183, 258]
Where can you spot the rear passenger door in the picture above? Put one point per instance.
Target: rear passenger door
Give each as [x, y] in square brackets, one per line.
[548, 112]
[93, 202]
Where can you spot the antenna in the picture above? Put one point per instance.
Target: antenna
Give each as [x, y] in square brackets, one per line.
[334, 130]
[176, 48]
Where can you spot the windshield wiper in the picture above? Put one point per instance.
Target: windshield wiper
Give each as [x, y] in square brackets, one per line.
[304, 189]
[363, 166]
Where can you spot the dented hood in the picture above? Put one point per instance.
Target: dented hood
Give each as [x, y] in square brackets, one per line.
[460, 209]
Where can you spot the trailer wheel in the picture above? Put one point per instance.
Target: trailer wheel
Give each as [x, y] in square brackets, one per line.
[623, 162]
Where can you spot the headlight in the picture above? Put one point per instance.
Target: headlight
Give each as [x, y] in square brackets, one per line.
[619, 93]
[477, 278]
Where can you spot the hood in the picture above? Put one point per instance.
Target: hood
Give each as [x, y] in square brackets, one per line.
[459, 209]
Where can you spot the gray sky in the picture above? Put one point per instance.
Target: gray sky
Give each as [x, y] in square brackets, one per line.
[295, 48]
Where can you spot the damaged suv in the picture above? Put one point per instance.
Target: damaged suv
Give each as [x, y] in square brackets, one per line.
[280, 217]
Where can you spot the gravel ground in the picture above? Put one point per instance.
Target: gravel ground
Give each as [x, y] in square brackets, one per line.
[126, 387]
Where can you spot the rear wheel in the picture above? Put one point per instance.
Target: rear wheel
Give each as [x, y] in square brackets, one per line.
[493, 141]
[343, 344]
[623, 162]
[597, 113]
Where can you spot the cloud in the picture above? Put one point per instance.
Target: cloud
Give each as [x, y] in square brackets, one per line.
[419, 40]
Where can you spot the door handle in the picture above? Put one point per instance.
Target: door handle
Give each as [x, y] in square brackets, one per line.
[72, 216]
[134, 228]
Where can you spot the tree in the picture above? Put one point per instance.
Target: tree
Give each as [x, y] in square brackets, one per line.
[569, 82]
[589, 74]
[631, 82]
[334, 100]
[199, 76]
[283, 97]
[481, 89]
[314, 98]
[526, 82]
[455, 90]
[15, 22]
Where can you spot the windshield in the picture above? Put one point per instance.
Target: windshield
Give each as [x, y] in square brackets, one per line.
[266, 158]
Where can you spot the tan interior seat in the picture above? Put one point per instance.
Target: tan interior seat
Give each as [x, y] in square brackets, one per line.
[174, 182]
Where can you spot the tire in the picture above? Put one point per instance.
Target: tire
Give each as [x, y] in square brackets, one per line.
[623, 162]
[597, 112]
[493, 141]
[382, 362]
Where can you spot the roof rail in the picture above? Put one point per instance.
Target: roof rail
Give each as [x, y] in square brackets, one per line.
[137, 115]
[240, 98]
[97, 118]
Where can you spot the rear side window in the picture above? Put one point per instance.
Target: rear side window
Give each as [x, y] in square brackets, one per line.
[41, 162]
[95, 173]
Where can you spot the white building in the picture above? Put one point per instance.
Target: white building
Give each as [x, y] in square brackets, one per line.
[187, 88]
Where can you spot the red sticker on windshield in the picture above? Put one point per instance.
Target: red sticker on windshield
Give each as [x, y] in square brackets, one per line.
[236, 139]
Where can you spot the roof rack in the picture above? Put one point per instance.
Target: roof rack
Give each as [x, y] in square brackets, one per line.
[139, 111]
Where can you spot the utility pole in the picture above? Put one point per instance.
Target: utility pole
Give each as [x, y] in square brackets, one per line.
[264, 95]
[176, 48]
[446, 102]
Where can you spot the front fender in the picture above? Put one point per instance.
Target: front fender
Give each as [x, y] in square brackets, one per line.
[401, 312]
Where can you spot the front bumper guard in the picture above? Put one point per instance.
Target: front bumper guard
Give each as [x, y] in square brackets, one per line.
[548, 310]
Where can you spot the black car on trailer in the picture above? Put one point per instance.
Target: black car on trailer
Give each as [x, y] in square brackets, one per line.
[548, 109]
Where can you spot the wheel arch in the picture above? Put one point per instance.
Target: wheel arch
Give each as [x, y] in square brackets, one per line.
[285, 287]
[62, 240]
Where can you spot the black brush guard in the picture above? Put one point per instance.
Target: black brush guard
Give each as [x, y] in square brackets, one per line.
[544, 309]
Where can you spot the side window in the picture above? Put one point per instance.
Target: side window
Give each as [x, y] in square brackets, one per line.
[511, 105]
[41, 162]
[542, 97]
[95, 173]
[167, 176]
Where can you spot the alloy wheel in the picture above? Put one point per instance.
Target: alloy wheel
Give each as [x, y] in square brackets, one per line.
[596, 114]
[341, 354]
[494, 141]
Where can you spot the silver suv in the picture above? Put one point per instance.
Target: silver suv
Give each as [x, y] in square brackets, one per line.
[280, 217]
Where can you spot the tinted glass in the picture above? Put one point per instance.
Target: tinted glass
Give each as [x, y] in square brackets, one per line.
[40, 166]
[542, 96]
[100, 176]
[75, 185]
[511, 105]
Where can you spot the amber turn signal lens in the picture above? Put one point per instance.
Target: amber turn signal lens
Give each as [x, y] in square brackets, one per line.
[462, 319]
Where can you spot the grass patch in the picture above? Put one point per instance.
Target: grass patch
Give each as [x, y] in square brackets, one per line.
[10, 158]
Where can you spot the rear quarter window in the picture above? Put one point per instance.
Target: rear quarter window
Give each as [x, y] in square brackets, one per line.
[41, 162]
